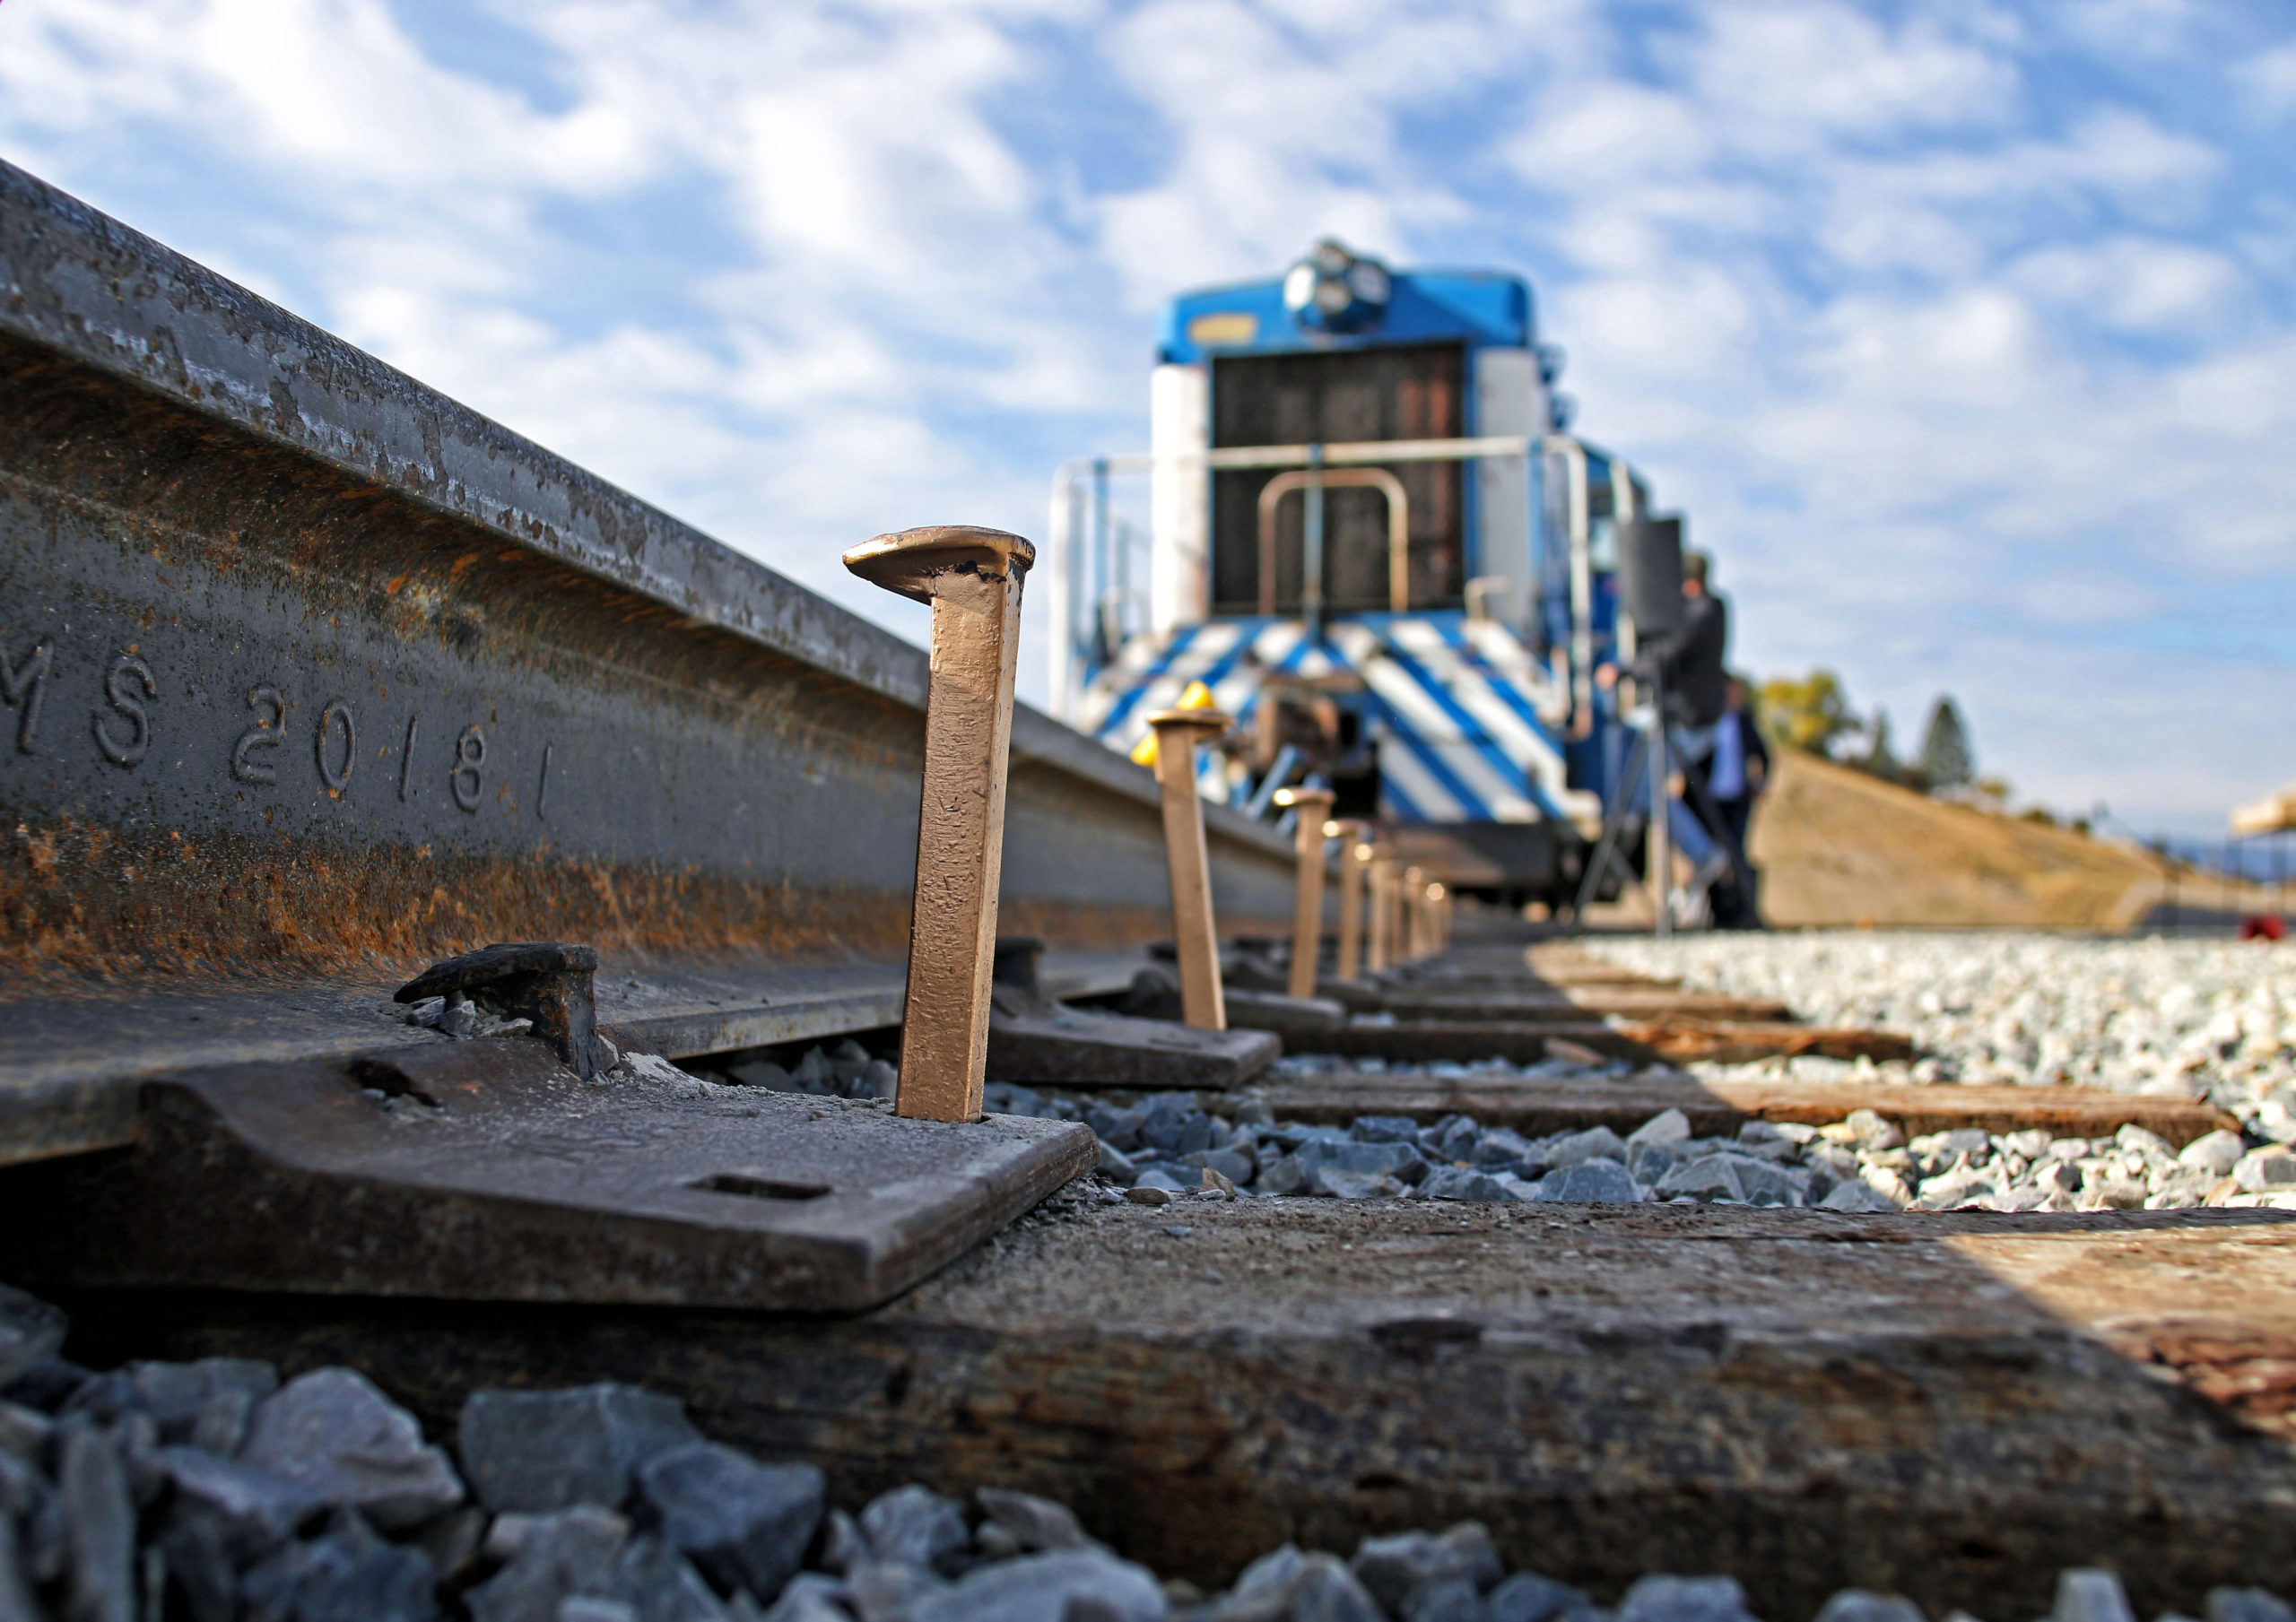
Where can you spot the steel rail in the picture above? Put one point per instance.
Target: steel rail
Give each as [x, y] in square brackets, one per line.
[313, 676]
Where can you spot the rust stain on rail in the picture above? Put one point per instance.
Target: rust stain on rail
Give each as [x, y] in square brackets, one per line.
[83, 903]
[84, 900]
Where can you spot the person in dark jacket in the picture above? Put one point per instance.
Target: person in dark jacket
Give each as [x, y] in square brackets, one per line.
[1688, 662]
[1690, 659]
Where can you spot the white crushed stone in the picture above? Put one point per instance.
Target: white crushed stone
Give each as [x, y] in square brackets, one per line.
[2210, 1020]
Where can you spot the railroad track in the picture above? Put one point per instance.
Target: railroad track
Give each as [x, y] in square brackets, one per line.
[315, 677]
[318, 682]
[1943, 1404]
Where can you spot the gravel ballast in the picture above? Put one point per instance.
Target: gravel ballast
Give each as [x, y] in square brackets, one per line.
[214, 1492]
[2225, 1045]
[1169, 1146]
[2212, 1019]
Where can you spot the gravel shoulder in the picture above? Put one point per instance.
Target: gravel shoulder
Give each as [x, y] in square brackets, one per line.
[2210, 1020]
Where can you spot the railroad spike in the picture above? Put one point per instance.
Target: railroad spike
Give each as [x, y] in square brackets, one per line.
[1354, 863]
[1203, 1002]
[1380, 869]
[1308, 906]
[972, 579]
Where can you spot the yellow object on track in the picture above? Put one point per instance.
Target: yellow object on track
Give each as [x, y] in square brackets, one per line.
[1196, 695]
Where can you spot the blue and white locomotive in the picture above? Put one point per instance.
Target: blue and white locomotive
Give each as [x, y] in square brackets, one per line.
[1371, 534]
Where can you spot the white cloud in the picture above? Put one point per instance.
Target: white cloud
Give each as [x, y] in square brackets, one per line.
[2269, 79]
[2091, 599]
[1271, 149]
[1802, 75]
[2138, 285]
[2133, 27]
[1818, 255]
[1621, 131]
[1942, 341]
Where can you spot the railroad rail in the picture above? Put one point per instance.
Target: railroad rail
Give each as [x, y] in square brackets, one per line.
[314, 677]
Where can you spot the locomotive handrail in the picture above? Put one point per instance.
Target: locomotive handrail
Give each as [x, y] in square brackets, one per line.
[1571, 451]
[1233, 456]
[1271, 496]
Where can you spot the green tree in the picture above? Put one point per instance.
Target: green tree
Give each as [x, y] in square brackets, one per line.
[1812, 713]
[1879, 759]
[1946, 759]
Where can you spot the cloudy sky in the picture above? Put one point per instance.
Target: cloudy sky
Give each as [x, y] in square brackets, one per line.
[1965, 332]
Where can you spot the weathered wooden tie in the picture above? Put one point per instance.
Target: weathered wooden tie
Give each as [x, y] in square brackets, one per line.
[1497, 992]
[1541, 1002]
[1951, 1407]
[1540, 1105]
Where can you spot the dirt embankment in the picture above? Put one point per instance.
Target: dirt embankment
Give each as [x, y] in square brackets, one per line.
[1836, 846]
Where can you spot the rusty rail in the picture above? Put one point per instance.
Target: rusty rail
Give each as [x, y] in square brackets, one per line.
[312, 677]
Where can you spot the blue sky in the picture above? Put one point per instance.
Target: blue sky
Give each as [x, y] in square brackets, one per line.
[1965, 332]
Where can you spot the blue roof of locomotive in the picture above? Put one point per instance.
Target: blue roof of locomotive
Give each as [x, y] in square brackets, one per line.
[1476, 307]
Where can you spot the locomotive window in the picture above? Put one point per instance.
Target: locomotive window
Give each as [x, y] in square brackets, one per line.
[1409, 392]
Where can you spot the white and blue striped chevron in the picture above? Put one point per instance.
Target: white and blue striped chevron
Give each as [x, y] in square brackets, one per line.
[1462, 709]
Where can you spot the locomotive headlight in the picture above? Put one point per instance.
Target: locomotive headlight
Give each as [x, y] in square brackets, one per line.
[1334, 290]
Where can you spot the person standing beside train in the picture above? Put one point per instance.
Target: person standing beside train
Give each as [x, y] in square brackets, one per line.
[1689, 662]
[1736, 773]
